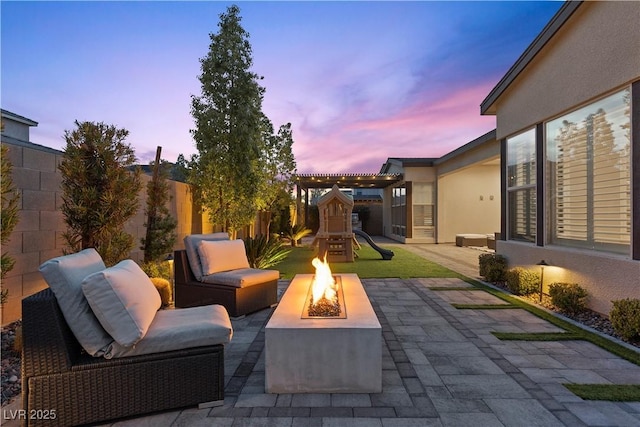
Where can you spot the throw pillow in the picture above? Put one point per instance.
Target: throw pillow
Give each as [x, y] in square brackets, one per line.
[124, 300]
[191, 243]
[222, 255]
[64, 276]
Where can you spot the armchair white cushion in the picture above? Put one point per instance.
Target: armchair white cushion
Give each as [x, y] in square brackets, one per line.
[242, 277]
[124, 300]
[64, 276]
[191, 243]
[179, 329]
[223, 255]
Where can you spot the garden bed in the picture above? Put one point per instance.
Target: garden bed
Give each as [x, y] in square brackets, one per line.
[587, 317]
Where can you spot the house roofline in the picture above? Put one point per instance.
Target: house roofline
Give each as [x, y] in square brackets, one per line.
[18, 142]
[556, 22]
[489, 136]
[17, 118]
[435, 161]
[407, 161]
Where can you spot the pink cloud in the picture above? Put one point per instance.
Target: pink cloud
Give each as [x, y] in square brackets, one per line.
[422, 129]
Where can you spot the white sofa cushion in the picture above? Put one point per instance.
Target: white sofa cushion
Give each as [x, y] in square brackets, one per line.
[242, 277]
[223, 255]
[179, 329]
[64, 276]
[124, 300]
[191, 243]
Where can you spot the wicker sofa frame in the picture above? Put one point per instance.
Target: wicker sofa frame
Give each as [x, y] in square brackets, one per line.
[63, 383]
[190, 292]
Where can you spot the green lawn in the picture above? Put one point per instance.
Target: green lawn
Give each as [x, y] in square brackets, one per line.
[369, 264]
[610, 392]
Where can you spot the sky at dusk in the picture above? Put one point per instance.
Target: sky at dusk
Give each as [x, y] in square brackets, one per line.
[358, 81]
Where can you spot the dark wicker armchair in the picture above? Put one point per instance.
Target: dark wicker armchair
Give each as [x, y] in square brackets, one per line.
[59, 379]
[190, 292]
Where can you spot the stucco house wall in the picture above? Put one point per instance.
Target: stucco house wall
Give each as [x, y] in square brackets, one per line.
[466, 191]
[593, 52]
[468, 202]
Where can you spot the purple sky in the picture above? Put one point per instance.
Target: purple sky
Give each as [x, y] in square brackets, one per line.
[359, 81]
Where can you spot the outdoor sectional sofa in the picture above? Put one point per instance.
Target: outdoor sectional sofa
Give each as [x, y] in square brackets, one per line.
[178, 361]
[214, 270]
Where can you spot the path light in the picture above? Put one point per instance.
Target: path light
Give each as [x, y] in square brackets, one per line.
[542, 265]
[169, 260]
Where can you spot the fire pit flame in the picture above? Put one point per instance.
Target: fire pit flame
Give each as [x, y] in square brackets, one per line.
[325, 296]
[323, 284]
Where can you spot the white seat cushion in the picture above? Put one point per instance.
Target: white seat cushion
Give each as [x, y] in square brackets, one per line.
[191, 247]
[242, 278]
[124, 300]
[179, 329]
[223, 255]
[64, 276]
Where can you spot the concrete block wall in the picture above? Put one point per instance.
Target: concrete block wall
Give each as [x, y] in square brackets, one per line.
[38, 234]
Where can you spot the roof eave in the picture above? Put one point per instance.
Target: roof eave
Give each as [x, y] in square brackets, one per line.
[17, 118]
[487, 137]
[487, 107]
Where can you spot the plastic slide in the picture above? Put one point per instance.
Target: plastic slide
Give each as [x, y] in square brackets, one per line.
[386, 253]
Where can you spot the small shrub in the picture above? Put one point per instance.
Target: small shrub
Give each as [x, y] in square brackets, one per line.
[157, 269]
[295, 233]
[265, 252]
[164, 289]
[625, 318]
[521, 281]
[568, 297]
[492, 267]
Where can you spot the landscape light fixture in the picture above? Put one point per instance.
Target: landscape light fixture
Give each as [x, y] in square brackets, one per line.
[542, 265]
[169, 259]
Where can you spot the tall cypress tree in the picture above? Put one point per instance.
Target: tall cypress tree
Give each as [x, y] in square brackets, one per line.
[227, 116]
[161, 226]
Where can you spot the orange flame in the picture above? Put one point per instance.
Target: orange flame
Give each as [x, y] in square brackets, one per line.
[323, 285]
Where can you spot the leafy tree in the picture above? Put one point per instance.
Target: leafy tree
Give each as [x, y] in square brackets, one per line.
[99, 190]
[281, 213]
[278, 166]
[161, 226]
[228, 117]
[9, 215]
[180, 170]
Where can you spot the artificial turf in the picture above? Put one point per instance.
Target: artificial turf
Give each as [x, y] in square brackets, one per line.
[368, 264]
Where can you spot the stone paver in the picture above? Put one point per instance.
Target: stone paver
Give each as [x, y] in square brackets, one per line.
[441, 367]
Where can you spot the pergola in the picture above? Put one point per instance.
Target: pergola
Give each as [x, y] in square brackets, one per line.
[307, 181]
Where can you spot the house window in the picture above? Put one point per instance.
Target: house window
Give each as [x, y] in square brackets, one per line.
[399, 211]
[589, 175]
[422, 209]
[521, 186]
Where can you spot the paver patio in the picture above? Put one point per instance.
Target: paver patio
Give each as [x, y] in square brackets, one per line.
[442, 366]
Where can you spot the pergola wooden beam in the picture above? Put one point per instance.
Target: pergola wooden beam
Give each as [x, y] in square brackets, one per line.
[342, 180]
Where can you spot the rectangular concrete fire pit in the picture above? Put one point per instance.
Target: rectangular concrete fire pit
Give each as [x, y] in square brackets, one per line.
[323, 355]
